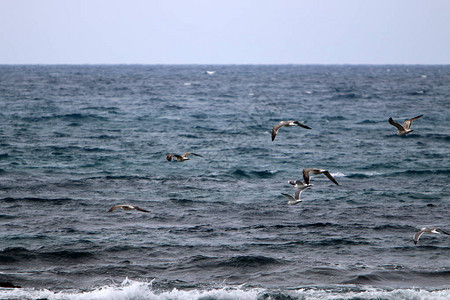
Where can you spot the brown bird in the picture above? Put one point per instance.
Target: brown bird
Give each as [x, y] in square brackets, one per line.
[312, 171]
[127, 207]
[428, 230]
[406, 128]
[181, 157]
[286, 124]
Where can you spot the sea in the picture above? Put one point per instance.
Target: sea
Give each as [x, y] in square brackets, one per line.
[79, 139]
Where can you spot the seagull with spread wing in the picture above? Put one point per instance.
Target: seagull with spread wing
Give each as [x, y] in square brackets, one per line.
[296, 199]
[406, 128]
[286, 124]
[312, 171]
[180, 158]
[127, 207]
[423, 230]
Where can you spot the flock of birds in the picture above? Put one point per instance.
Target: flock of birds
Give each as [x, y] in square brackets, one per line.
[299, 184]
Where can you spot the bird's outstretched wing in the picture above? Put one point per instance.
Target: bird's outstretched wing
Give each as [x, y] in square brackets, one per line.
[417, 235]
[442, 231]
[407, 123]
[276, 128]
[141, 209]
[326, 173]
[298, 192]
[288, 196]
[190, 153]
[399, 127]
[114, 207]
[302, 125]
[306, 175]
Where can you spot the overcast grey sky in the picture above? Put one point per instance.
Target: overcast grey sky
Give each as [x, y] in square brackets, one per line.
[225, 32]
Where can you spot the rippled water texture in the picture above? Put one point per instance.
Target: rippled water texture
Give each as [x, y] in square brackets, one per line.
[76, 140]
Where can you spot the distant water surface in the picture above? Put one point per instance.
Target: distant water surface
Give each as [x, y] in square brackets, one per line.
[76, 140]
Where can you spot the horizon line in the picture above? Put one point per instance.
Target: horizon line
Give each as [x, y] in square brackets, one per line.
[224, 64]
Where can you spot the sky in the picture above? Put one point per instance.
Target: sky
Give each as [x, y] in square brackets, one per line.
[224, 32]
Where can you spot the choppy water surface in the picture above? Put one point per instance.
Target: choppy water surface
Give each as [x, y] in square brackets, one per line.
[76, 140]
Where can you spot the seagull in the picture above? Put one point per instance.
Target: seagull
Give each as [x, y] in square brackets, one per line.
[296, 199]
[127, 207]
[313, 171]
[182, 157]
[298, 183]
[406, 128]
[286, 124]
[428, 230]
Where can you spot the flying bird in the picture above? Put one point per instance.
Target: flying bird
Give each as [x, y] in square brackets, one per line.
[298, 183]
[181, 157]
[406, 128]
[286, 124]
[127, 207]
[296, 199]
[312, 171]
[428, 230]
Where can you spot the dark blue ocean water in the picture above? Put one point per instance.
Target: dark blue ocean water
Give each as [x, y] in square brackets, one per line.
[76, 140]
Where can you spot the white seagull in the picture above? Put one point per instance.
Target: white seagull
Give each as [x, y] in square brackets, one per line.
[298, 183]
[286, 124]
[181, 157]
[312, 171]
[406, 128]
[428, 230]
[127, 207]
[296, 199]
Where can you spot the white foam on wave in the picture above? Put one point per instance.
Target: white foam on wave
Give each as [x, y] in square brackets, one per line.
[375, 293]
[338, 174]
[131, 289]
[136, 290]
[368, 173]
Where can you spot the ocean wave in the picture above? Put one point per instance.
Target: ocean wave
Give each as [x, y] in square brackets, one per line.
[363, 175]
[241, 262]
[306, 225]
[335, 118]
[368, 174]
[57, 201]
[239, 173]
[7, 217]
[439, 137]
[338, 174]
[439, 278]
[72, 117]
[131, 289]
[368, 122]
[249, 261]
[340, 242]
[20, 254]
[423, 172]
[121, 177]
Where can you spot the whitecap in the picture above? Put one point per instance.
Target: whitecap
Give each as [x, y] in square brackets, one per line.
[132, 289]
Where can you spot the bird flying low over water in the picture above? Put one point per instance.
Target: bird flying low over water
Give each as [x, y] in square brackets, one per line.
[312, 171]
[428, 230]
[127, 207]
[296, 199]
[286, 124]
[406, 128]
[181, 157]
[298, 183]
